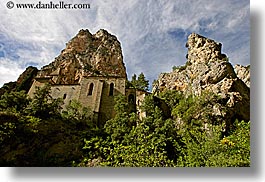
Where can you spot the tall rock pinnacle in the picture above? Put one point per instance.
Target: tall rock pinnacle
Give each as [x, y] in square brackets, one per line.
[207, 69]
[86, 55]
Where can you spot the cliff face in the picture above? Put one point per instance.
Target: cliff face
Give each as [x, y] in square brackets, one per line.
[243, 73]
[86, 55]
[207, 69]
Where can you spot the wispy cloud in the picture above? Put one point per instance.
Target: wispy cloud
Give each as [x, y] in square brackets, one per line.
[9, 70]
[152, 32]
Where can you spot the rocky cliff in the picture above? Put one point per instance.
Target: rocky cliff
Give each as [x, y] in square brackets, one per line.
[24, 81]
[207, 69]
[86, 55]
[243, 73]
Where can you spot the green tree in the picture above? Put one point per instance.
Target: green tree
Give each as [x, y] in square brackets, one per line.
[174, 68]
[142, 83]
[134, 81]
[193, 108]
[185, 140]
[14, 101]
[234, 150]
[77, 113]
[207, 148]
[172, 97]
[43, 105]
[34, 132]
[151, 142]
[139, 83]
[122, 123]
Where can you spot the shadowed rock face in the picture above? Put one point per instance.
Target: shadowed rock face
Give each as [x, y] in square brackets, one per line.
[86, 55]
[24, 81]
[207, 69]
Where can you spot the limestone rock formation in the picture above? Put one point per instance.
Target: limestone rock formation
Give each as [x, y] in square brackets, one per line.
[25, 80]
[207, 69]
[243, 73]
[86, 55]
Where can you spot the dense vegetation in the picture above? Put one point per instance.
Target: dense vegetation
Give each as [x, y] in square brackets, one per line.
[38, 132]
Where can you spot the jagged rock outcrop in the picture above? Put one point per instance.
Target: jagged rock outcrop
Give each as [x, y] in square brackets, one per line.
[86, 55]
[243, 73]
[24, 81]
[207, 69]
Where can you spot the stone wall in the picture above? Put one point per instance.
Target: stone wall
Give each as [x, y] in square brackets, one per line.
[38, 82]
[106, 110]
[67, 92]
[99, 98]
[89, 99]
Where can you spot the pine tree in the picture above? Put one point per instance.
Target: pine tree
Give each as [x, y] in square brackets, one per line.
[134, 81]
[139, 83]
[142, 83]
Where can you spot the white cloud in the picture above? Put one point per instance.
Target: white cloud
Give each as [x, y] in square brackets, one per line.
[9, 71]
[141, 26]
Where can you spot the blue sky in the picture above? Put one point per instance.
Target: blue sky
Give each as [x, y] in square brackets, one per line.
[152, 33]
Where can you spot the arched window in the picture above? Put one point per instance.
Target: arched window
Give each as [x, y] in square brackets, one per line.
[90, 91]
[111, 89]
[64, 96]
[131, 99]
